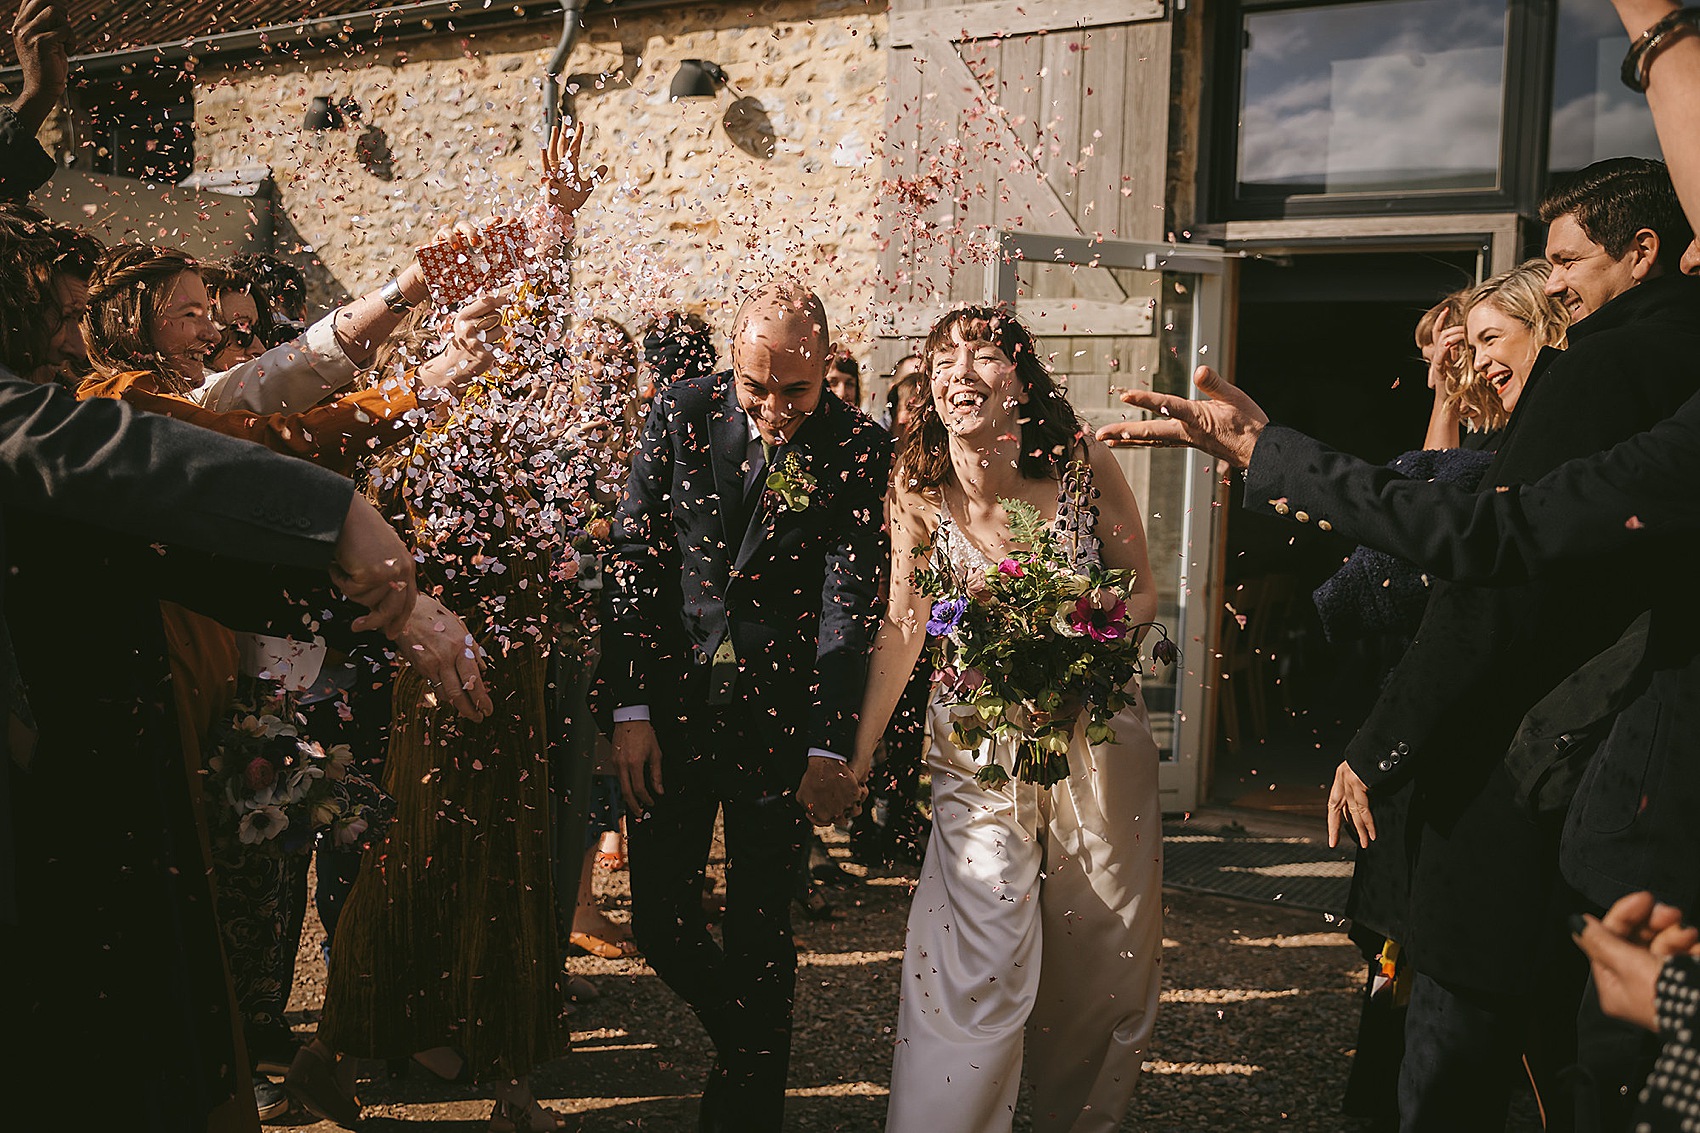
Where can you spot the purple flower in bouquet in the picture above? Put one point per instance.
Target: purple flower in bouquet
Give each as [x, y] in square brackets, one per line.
[1100, 620]
[1011, 568]
[259, 774]
[1165, 651]
[946, 615]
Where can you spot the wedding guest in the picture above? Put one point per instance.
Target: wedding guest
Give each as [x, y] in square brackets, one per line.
[906, 382]
[734, 656]
[241, 312]
[1616, 238]
[844, 378]
[115, 918]
[448, 943]
[1466, 412]
[1646, 964]
[285, 288]
[678, 346]
[52, 281]
[1035, 933]
[40, 33]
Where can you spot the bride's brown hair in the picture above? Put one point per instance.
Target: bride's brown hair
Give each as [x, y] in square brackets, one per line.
[1050, 429]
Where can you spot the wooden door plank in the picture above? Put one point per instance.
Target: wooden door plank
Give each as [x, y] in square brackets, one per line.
[1003, 18]
[1033, 197]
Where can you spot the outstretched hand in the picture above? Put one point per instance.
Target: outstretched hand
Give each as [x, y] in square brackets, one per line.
[1224, 423]
[374, 568]
[437, 643]
[564, 190]
[40, 33]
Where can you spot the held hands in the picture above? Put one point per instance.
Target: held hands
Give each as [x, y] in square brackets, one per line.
[437, 643]
[1349, 798]
[374, 568]
[1225, 423]
[830, 792]
[1628, 947]
[637, 761]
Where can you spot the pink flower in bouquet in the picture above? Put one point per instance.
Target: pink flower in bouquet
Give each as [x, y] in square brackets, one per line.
[259, 774]
[946, 676]
[971, 680]
[1100, 624]
[569, 569]
[1011, 568]
[975, 586]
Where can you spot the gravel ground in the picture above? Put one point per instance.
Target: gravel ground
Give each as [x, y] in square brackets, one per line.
[1258, 1018]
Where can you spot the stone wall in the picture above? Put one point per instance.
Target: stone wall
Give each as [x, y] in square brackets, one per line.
[779, 171]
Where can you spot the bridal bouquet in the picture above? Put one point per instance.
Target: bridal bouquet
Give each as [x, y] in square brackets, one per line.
[1029, 647]
[280, 790]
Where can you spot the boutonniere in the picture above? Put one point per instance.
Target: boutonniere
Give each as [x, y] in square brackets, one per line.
[791, 483]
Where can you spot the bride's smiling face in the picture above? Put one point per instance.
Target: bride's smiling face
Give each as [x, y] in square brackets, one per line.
[975, 387]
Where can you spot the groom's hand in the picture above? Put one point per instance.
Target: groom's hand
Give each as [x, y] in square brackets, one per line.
[829, 791]
[637, 758]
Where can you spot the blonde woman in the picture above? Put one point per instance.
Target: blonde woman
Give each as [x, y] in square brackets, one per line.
[1509, 320]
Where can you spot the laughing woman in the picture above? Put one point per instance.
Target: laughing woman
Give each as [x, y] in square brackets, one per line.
[1037, 925]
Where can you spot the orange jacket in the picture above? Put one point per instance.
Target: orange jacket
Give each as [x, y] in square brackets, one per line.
[337, 435]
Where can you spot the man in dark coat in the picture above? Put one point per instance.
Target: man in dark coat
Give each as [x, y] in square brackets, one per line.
[1484, 879]
[747, 558]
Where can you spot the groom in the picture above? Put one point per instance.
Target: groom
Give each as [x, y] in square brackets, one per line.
[747, 558]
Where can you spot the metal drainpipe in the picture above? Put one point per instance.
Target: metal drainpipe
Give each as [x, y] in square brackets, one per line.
[572, 12]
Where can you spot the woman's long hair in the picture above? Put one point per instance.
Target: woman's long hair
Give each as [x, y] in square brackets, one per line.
[1521, 294]
[1476, 403]
[131, 283]
[1050, 429]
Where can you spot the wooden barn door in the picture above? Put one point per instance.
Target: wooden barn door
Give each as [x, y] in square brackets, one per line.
[1025, 156]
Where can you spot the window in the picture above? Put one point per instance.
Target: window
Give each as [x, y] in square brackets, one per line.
[1594, 116]
[138, 124]
[1384, 98]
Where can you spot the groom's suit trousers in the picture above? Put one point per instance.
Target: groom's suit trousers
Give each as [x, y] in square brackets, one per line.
[742, 991]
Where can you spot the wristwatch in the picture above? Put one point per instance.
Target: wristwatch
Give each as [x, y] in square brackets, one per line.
[393, 297]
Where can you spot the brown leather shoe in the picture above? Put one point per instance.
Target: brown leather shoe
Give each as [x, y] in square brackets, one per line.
[311, 1084]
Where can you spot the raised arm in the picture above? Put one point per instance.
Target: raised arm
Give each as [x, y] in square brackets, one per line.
[1121, 532]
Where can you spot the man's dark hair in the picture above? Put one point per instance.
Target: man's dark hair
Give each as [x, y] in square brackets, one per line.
[1614, 199]
[283, 281]
[33, 251]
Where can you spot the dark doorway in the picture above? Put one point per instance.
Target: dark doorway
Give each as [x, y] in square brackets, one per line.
[1325, 345]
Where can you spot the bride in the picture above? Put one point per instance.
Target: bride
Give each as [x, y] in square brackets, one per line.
[1037, 925]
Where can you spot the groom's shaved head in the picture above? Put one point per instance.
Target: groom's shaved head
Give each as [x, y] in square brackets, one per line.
[784, 311]
[779, 354]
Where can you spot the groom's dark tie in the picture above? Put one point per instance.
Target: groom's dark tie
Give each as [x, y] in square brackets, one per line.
[752, 491]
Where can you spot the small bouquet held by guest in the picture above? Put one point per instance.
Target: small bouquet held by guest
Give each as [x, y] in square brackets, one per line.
[1029, 647]
[281, 790]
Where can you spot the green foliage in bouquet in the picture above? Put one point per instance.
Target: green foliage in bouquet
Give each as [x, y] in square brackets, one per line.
[1031, 646]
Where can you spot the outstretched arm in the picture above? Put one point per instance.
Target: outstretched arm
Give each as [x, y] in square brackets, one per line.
[1636, 491]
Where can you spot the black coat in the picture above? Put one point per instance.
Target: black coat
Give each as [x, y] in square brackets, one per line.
[796, 591]
[1483, 871]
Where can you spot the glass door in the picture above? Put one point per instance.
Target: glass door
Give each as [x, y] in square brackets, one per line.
[1116, 315]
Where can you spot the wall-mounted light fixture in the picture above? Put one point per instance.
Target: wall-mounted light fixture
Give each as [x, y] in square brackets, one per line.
[696, 78]
[323, 113]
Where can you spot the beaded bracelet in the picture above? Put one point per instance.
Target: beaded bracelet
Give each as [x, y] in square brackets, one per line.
[1640, 58]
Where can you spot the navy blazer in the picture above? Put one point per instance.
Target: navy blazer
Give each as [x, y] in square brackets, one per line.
[796, 592]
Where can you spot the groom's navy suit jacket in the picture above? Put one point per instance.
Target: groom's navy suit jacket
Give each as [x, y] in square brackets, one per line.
[698, 560]
[1482, 876]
